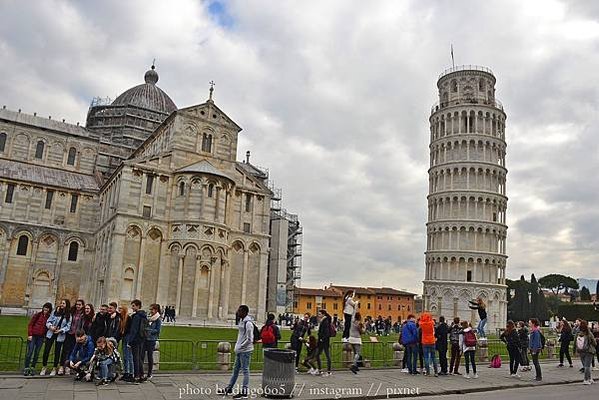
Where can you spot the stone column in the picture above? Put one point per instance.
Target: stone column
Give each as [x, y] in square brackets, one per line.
[179, 284]
[163, 274]
[244, 275]
[198, 270]
[213, 275]
[140, 267]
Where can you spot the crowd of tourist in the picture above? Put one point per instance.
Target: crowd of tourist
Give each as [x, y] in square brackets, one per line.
[86, 343]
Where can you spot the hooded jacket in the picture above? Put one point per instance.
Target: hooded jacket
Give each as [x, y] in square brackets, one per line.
[409, 333]
[427, 327]
[137, 323]
[37, 324]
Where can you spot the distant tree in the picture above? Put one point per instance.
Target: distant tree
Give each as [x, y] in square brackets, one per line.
[533, 289]
[585, 294]
[543, 313]
[574, 295]
[521, 306]
[552, 302]
[557, 283]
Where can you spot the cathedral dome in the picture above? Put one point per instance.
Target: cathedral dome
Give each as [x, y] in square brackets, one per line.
[147, 95]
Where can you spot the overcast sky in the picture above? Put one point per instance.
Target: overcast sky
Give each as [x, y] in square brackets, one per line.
[334, 98]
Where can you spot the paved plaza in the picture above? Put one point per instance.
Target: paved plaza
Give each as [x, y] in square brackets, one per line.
[375, 384]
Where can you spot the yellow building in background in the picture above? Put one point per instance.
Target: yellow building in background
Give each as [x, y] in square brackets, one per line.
[372, 301]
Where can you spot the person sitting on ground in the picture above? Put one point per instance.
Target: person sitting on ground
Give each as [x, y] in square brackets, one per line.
[310, 360]
[105, 358]
[81, 354]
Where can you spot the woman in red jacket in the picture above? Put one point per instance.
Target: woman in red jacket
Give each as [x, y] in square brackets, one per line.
[36, 331]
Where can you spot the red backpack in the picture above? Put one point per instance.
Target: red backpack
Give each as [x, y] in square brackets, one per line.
[268, 334]
[469, 339]
[495, 361]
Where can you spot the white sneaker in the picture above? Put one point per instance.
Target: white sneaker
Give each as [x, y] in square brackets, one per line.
[596, 368]
[405, 370]
[315, 372]
[43, 371]
[517, 376]
[328, 373]
[311, 371]
[475, 376]
[67, 371]
[467, 376]
[587, 382]
[53, 372]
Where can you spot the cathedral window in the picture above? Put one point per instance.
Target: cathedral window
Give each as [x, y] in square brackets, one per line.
[74, 199]
[210, 190]
[182, 189]
[248, 202]
[147, 212]
[49, 197]
[10, 190]
[2, 141]
[207, 143]
[469, 276]
[39, 150]
[149, 184]
[71, 156]
[22, 245]
[73, 250]
[246, 227]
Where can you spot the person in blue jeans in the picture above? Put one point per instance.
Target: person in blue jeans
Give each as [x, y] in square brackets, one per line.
[243, 353]
[409, 338]
[36, 331]
[480, 306]
[105, 355]
[153, 334]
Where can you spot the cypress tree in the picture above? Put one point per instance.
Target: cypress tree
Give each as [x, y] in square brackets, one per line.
[534, 309]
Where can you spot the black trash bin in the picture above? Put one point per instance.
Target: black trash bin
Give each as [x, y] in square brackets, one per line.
[278, 374]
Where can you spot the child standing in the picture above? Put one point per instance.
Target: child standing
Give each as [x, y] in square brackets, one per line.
[36, 331]
[468, 347]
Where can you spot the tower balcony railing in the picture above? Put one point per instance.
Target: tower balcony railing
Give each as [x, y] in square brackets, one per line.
[439, 105]
[466, 68]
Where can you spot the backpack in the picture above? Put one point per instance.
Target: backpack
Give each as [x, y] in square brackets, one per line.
[543, 340]
[267, 335]
[495, 361]
[582, 343]
[469, 339]
[256, 332]
[143, 328]
[332, 330]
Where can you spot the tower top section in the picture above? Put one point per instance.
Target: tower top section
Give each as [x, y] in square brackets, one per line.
[466, 84]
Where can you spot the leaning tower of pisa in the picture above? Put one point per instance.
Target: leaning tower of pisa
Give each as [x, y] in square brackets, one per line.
[466, 228]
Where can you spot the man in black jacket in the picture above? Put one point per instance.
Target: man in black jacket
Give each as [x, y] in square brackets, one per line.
[114, 322]
[99, 326]
[136, 338]
[441, 332]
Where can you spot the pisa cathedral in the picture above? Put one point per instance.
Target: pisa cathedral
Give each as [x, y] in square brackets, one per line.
[146, 201]
[466, 228]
